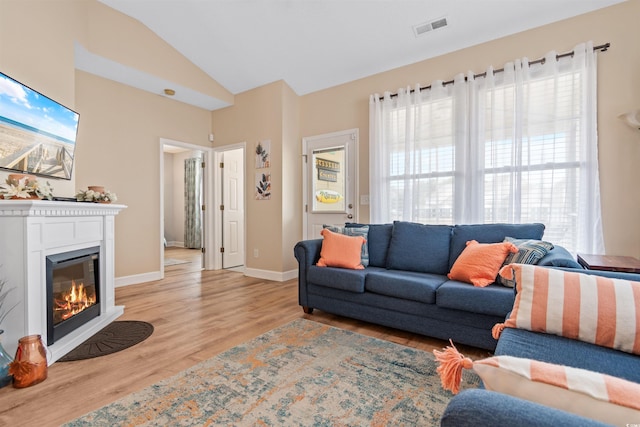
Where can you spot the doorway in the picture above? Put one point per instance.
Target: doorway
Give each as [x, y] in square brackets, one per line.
[330, 183]
[184, 221]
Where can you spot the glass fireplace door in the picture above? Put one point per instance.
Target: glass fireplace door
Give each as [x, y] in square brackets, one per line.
[73, 290]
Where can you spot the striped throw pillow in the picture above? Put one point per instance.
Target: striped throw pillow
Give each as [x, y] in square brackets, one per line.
[530, 251]
[589, 394]
[590, 308]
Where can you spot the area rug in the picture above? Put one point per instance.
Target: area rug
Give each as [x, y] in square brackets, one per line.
[172, 261]
[301, 374]
[114, 337]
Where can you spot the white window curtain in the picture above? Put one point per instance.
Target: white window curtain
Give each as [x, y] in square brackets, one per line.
[513, 146]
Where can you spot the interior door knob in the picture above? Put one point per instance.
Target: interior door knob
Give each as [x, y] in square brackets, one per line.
[350, 216]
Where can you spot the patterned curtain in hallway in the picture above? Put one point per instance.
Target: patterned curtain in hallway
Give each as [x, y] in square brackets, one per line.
[192, 203]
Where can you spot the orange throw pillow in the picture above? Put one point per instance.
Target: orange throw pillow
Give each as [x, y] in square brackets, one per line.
[479, 263]
[341, 251]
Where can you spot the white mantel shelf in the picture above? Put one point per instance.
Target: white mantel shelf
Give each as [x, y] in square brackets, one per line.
[54, 208]
[30, 231]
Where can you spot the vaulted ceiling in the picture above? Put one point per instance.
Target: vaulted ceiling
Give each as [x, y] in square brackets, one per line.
[316, 44]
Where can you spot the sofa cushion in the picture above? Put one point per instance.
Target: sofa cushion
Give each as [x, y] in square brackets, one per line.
[337, 278]
[490, 233]
[405, 284]
[565, 351]
[355, 231]
[339, 250]
[458, 322]
[479, 263]
[530, 251]
[588, 308]
[377, 242]
[493, 300]
[579, 391]
[418, 247]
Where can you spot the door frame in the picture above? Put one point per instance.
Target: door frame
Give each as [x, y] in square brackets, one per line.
[207, 217]
[305, 174]
[216, 255]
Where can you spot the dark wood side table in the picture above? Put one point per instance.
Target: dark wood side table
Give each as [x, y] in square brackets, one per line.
[625, 264]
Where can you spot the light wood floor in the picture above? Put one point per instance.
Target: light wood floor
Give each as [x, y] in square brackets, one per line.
[196, 315]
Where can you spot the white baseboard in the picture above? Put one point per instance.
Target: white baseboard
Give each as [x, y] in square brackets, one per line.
[276, 276]
[137, 278]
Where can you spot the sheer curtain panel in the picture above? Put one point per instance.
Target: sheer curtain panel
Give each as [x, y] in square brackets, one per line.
[514, 145]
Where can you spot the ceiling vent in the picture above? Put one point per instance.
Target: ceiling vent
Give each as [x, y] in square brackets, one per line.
[426, 27]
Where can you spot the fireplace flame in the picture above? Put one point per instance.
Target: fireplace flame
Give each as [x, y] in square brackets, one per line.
[74, 301]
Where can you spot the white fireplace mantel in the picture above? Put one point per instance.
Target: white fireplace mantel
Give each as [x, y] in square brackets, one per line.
[30, 231]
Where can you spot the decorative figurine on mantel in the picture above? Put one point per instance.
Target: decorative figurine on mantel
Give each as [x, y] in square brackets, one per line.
[25, 187]
[96, 194]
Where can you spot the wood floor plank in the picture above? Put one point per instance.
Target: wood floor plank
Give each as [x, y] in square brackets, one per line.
[196, 315]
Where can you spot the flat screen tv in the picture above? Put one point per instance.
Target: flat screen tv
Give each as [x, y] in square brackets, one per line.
[37, 134]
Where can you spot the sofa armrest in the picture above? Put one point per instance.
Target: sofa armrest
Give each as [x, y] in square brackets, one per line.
[478, 407]
[559, 257]
[307, 252]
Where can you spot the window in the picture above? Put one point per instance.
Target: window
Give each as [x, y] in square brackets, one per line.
[517, 146]
[426, 169]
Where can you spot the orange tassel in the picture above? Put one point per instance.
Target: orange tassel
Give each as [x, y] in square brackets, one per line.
[497, 330]
[450, 369]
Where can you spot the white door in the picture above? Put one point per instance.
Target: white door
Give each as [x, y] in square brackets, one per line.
[330, 181]
[233, 208]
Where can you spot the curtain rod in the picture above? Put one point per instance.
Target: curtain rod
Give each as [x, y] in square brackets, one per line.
[601, 48]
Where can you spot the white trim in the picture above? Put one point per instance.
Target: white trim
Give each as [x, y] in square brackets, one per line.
[275, 276]
[138, 278]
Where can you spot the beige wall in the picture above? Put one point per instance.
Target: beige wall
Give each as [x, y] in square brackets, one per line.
[346, 106]
[120, 127]
[291, 177]
[171, 187]
[257, 116]
[40, 53]
[270, 112]
[120, 149]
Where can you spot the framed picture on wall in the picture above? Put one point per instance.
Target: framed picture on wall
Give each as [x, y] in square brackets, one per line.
[263, 186]
[263, 154]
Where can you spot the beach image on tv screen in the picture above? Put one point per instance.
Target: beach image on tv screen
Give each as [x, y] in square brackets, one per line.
[37, 134]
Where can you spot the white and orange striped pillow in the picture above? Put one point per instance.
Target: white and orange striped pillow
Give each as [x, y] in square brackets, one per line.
[589, 308]
[589, 394]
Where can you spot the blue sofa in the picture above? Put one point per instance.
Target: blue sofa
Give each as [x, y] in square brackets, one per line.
[481, 407]
[405, 284]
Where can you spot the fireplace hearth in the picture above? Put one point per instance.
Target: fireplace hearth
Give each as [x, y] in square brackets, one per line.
[37, 232]
[73, 291]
